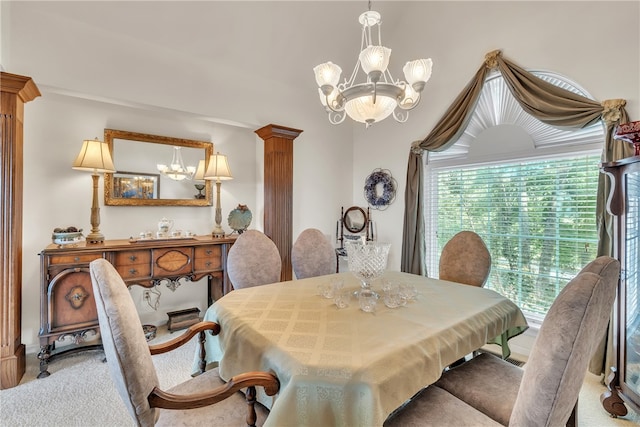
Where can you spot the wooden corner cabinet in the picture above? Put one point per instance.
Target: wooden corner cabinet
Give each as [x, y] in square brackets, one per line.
[624, 204]
[67, 307]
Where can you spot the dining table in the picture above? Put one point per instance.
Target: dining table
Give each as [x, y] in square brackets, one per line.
[345, 366]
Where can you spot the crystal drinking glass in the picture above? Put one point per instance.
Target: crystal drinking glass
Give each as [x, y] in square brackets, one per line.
[367, 261]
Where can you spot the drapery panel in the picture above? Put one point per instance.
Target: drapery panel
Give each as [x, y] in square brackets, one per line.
[548, 103]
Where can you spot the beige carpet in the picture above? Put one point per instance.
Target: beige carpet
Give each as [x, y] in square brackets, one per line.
[80, 392]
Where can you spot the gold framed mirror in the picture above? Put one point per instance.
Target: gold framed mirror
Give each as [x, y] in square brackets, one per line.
[138, 180]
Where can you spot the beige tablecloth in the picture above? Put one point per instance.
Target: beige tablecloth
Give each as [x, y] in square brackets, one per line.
[345, 367]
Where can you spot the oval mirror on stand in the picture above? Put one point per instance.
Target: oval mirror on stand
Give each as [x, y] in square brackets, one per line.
[354, 224]
[354, 219]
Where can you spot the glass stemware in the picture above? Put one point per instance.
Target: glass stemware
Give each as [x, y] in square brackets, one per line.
[367, 260]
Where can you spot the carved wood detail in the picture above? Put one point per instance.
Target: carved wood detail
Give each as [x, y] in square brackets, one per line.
[610, 399]
[278, 190]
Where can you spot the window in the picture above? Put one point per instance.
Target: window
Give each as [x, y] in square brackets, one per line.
[537, 218]
[527, 188]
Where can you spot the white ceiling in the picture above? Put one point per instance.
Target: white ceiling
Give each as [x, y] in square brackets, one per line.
[284, 40]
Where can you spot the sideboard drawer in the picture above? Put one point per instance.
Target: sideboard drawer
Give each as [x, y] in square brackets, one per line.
[208, 258]
[74, 258]
[134, 271]
[133, 264]
[133, 258]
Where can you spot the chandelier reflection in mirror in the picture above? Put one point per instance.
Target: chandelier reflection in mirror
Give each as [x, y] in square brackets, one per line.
[380, 96]
[176, 169]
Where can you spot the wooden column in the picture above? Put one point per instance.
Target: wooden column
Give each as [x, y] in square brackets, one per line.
[15, 91]
[278, 190]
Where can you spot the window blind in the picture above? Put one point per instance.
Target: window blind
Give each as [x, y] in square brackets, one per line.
[536, 217]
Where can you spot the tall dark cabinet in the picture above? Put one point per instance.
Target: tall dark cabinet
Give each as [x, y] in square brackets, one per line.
[624, 203]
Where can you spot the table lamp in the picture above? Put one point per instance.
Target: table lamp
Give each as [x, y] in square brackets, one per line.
[218, 169]
[94, 157]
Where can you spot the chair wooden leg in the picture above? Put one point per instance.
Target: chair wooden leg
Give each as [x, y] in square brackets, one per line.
[251, 408]
[573, 418]
[202, 353]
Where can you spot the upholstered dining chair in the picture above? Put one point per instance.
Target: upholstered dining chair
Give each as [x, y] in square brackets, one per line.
[253, 260]
[312, 255]
[465, 259]
[205, 399]
[488, 391]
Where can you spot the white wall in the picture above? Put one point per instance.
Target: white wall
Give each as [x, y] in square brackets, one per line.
[193, 97]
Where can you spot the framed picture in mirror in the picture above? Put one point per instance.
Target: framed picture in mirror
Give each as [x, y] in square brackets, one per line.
[136, 185]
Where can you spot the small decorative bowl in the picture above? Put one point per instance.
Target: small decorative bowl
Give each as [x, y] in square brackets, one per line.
[149, 331]
[62, 239]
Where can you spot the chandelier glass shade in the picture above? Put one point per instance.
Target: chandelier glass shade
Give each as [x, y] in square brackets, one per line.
[176, 170]
[380, 95]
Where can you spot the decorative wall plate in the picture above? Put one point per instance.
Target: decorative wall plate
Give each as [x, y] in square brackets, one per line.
[239, 218]
[380, 189]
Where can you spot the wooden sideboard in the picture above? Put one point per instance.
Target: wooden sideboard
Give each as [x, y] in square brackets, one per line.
[67, 306]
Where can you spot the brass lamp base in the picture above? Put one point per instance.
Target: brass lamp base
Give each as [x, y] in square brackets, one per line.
[94, 238]
[218, 233]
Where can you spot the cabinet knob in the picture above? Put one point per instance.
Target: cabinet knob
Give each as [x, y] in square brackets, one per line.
[208, 263]
[133, 271]
[76, 259]
[133, 257]
[208, 252]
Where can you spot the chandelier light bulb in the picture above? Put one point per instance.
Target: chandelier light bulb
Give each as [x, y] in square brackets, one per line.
[375, 58]
[327, 74]
[410, 98]
[331, 100]
[364, 110]
[418, 72]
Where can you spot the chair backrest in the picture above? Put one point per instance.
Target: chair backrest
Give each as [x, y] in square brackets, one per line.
[312, 255]
[465, 259]
[253, 260]
[125, 346]
[570, 332]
